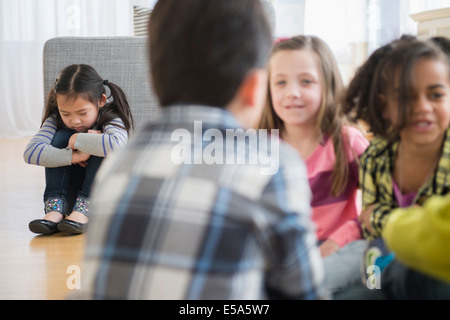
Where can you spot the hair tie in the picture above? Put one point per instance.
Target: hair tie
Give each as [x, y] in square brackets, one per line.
[55, 87]
[105, 82]
[281, 39]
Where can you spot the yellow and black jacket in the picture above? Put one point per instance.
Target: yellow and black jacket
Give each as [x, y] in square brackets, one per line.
[376, 182]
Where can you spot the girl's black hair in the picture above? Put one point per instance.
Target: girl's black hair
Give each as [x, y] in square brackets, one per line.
[443, 43]
[401, 62]
[356, 101]
[377, 75]
[82, 80]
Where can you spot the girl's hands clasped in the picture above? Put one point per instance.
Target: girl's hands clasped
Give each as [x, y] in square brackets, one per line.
[79, 157]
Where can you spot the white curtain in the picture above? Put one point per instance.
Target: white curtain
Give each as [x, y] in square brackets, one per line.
[25, 25]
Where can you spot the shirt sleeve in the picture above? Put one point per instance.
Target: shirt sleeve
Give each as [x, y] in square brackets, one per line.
[358, 141]
[370, 195]
[101, 145]
[39, 150]
[296, 269]
[348, 232]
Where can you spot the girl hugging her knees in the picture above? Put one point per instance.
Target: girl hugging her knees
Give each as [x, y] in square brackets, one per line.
[303, 104]
[79, 128]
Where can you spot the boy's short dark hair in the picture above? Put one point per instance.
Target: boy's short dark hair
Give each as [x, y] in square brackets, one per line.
[201, 50]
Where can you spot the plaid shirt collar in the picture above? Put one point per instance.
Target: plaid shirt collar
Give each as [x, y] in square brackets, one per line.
[208, 115]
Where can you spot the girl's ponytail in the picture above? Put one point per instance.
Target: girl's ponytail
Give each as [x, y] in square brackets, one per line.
[119, 107]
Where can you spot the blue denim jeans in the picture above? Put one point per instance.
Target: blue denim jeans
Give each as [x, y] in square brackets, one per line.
[70, 182]
[343, 267]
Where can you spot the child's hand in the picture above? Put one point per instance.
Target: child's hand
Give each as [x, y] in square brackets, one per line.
[72, 141]
[364, 218]
[328, 247]
[80, 158]
[73, 138]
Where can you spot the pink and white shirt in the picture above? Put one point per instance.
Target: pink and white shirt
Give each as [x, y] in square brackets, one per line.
[336, 217]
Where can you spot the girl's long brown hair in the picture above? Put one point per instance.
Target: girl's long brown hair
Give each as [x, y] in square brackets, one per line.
[329, 122]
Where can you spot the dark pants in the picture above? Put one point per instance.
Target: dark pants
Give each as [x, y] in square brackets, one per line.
[401, 282]
[69, 182]
[398, 282]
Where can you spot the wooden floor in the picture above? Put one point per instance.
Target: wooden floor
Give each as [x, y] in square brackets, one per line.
[31, 266]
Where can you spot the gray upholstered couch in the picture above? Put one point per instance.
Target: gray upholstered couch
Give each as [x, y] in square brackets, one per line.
[121, 60]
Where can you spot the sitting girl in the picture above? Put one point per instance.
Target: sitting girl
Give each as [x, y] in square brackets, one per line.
[405, 101]
[79, 128]
[303, 104]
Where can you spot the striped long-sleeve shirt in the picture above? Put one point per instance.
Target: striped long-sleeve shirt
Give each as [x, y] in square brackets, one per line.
[39, 150]
[336, 217]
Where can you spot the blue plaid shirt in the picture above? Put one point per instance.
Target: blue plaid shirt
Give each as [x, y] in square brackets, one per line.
[164, 230]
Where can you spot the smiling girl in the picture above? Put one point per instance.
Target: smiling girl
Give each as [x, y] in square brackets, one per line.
[79, 128]
[303, 93]
[405, 100]
[409, 107]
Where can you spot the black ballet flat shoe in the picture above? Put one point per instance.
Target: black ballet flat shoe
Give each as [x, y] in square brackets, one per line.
[72, 227]
[42, 226]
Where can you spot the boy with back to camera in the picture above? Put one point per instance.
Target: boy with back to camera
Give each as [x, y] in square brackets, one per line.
[165, 228]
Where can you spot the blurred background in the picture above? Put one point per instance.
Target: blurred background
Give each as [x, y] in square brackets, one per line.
[352, 28]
